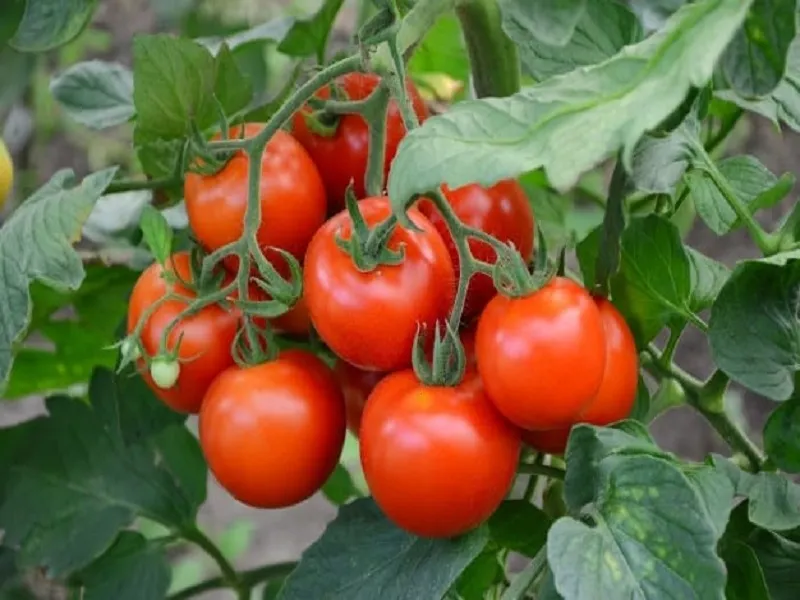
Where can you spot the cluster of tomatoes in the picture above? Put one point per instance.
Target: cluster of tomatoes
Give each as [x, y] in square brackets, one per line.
[438, 459]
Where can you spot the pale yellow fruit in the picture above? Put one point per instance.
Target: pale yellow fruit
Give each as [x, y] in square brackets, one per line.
[6, 173]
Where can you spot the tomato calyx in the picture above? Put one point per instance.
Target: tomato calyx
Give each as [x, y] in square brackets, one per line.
[448, 361]
[368, 246]
[512, 277]
[283, 293]
[253, 344]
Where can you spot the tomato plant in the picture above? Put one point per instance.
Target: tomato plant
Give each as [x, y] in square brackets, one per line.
[272, 433]
[494, 239]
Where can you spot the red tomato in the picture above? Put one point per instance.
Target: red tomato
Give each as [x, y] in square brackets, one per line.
[356, 385]
[617, 393]
[292, 195]
[370, 319]
[542, 356]
[342, 157]
[296, 322]
[272, 434]
[205, 338]
[502, 211]
[438, 460]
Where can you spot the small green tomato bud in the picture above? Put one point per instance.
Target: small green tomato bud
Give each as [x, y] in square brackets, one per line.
[164, 372]
[130, 350]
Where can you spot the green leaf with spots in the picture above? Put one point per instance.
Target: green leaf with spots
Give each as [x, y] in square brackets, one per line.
[754, 62]
[47, 24]
[651, 538]
[782, 436]
[754, 330]
[716, 493]
[363, 556]
[604, 28]
[619, 100]
[131, 569]
[549, 21]
[36, 245]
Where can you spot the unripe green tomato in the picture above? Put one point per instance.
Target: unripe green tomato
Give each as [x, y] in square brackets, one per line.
[164, 372]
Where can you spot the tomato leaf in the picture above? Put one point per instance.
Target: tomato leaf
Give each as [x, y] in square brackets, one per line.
[614, 219]
[131, 569]
[96, 94]
[660, 161]
[490, 139]
[35, 244]
[773, 500]
[157, 233]
[782, 435]
[753, 329]
[339, 488]
[479, 576]
[363, 556]
[716, 493]
[745, 577]
[62, 351]
[604, 28]
[47, 24]
[440, 61]
[749, 179]
[778, 559]
[87, 471]
[708, 277]
[550, 22]
[309, 37]
[177, 80]
[755, 60]
[12, 15]
[519, 526]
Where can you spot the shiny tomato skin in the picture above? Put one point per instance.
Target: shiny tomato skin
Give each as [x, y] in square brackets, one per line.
[370, 319]
[292, 195]
[542, 356]
[272, 433]
[356, 385]
[437, 460]
[206, 337]
[342, 157]
[616, 396]
[503, 211]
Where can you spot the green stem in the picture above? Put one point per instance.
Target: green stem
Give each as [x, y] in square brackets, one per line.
[671, 345]
[724, 131]
[493, 57]
[539, 469]
[130, 185]
[522, 583]
[229, 578]
[250, 578]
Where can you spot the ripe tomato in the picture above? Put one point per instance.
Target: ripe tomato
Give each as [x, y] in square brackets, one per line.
[272, 433]
[356, 385]
[370, 319]
[438, 460]
[502, 211]
[542, 356]
[342, 157]
[205, 337]
[293, 202]
[617, 393]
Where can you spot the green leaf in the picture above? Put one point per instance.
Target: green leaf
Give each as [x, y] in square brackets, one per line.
[490, 139]
[519, 526]
[340, 488]
[782, 436]
[654, 283]
[48, 24]
[779, 559]
[753, 330]
[35, 244]
[755, 60]
[604, 28]
[441, 51]
[552, 22]
[271, 31]
[708, 276]
[659, 161]
[479, 576]
[309, 37]
[131, 569]
[745, 577]
[716, 494]
[363, 556]
[651, 538]
[748, 178]
[96, 94]
[614, 219]
[773, 500]
[182, 457]
[72, 346]
[87, 476]
[157, 233]
[13, 10]
[176, 81]
[550, 210]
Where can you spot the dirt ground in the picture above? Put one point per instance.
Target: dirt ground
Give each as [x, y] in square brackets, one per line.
[282, 535]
